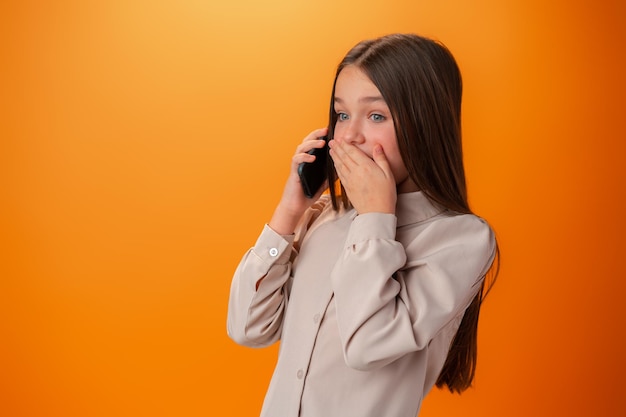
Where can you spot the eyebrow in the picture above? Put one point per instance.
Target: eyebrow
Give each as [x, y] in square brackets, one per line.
[367, 99]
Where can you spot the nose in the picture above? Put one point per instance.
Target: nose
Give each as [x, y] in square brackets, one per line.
[350, 132]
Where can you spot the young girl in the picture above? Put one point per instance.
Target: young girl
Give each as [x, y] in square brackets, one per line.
[374, 288]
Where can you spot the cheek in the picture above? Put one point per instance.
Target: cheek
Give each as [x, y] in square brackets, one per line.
[337, 131]
[390, 145]
[395, 160]
[388, 139]
[398, 169]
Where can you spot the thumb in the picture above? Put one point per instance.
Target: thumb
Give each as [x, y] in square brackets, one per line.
[381, 160]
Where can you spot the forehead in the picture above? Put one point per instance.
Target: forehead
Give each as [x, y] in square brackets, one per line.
[353, 82]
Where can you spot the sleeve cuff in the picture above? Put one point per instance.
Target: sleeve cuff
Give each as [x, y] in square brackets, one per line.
[272, 247]
[371, 226]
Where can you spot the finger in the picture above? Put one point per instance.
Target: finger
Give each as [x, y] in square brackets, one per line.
[339, 158]
[301, 157]
[308, 146]
[381, 160]
[340, 153]
[355, 154]
[312, 141]
[316, 134]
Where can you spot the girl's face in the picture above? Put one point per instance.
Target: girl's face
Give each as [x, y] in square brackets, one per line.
[364, 119]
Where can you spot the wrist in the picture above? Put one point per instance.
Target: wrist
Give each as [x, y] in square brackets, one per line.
[377, 207]
[284, 221]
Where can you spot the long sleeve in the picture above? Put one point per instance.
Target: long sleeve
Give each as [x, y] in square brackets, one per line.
[350, 293]
[260, 288]
[259, 291]
[394, 292]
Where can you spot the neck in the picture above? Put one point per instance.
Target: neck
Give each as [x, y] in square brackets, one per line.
[407, 186]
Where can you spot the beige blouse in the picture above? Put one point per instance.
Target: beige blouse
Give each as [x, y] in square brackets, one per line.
[365, 306]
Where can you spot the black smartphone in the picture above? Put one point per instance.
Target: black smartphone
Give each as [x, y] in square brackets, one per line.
[313, 174]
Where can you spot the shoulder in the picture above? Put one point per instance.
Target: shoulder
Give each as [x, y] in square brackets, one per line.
[461, 239]
[462, 230]
[461, 225]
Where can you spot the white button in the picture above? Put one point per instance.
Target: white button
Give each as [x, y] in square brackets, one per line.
[273, 252]
[300, 374]
[316, 318]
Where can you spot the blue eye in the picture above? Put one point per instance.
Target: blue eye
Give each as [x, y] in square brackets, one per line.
[342, 117]
[377, 118]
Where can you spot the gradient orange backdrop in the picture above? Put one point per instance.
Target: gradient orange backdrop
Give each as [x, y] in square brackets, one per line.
[145, 143]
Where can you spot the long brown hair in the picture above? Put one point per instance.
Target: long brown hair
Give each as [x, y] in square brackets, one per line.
[421, 83]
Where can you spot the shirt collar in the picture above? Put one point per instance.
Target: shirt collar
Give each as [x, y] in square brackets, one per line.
[415, 207]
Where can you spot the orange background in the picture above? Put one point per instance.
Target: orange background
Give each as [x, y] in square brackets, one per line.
[144, 144]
